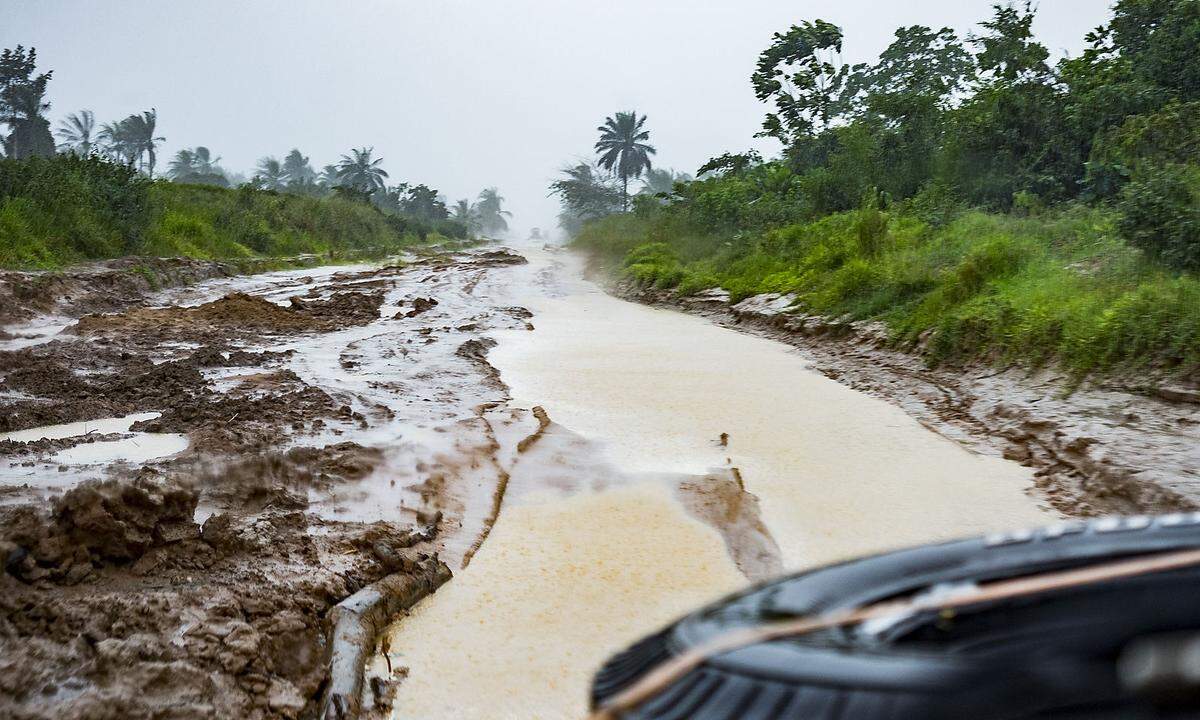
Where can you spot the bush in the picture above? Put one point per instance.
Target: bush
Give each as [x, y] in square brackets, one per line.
[1161, 215]
[67, 208]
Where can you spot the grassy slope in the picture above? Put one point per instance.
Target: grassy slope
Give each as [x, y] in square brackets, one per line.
[57, 211]
[1061, 287]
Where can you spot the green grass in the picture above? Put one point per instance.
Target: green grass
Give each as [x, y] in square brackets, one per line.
[1058, 288]
[62, 210]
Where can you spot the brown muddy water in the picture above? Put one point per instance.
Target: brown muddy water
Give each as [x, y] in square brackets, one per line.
[629, 510]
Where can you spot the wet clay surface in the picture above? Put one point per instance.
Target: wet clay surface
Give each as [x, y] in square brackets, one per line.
[335, 432]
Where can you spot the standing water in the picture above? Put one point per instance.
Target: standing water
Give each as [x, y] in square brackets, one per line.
[568, 576]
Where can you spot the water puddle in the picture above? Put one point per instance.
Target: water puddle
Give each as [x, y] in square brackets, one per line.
[102, 426]
[142, 447]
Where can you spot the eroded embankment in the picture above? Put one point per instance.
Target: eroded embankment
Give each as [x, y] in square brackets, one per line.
[1094, 449]
[302, 436]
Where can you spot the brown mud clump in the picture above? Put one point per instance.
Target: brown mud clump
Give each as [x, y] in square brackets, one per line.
[238, 313]
[119, 605]
[97, 524]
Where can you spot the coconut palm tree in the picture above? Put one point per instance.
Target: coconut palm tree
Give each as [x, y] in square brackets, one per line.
[182, 165]
[329, 177]
[467, 214]
[118, 141]
[77, 133]
[141, 129]
[358, 171]
[270, 174]
[206, 164]
[623, 150]
[197, 166]
[491, 212]
[299, 172]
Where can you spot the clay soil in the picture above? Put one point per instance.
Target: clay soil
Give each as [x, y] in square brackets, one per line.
[197, 585]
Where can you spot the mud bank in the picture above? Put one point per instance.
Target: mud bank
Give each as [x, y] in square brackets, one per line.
[335, 442]
[1094, 449]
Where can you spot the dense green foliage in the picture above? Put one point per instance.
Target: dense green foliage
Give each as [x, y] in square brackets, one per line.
[980, 201]
[66, 208]
[1061, 286]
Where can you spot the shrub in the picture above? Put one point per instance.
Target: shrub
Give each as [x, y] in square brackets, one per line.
[1161, 215]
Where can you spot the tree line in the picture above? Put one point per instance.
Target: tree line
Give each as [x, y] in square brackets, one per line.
[941, 121]
[134, 142]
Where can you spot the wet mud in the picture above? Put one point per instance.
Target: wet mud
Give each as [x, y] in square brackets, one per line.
[333, 439]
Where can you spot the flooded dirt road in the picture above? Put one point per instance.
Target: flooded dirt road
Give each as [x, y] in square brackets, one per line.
[679, 415]
[228, 460]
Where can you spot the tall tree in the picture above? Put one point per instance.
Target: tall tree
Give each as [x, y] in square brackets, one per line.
[23, 104]
[467, 214]
[78, 133]
[141, 129]
[300, 174]
[329, 177]
[197, 166]
[360, 172]
[270, 174]
[586, 193]
[1008, 51]
[802, 74]
[119, 142]
[1013, 135]
[903, 99]
[425, 203]
[623, 150]
[491, 212]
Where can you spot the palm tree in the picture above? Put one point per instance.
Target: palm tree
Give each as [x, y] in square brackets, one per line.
[77, 132]
[197, 166]
[270, 174]
[622, 149]
[206, 164]
[329, 177]
[491, 213]
[141, 129]
[182, 165]
[119, 142]
[467, 214]
[299, 173]
[358, 171]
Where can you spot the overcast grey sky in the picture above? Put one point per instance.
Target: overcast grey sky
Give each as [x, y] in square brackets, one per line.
[457, 94]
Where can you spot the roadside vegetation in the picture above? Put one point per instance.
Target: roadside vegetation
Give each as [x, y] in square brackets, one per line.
[101, 192]
[981, 202]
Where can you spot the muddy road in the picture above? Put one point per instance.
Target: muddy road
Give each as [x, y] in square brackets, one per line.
[196, 482]
[192, 478]
[724, 459]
